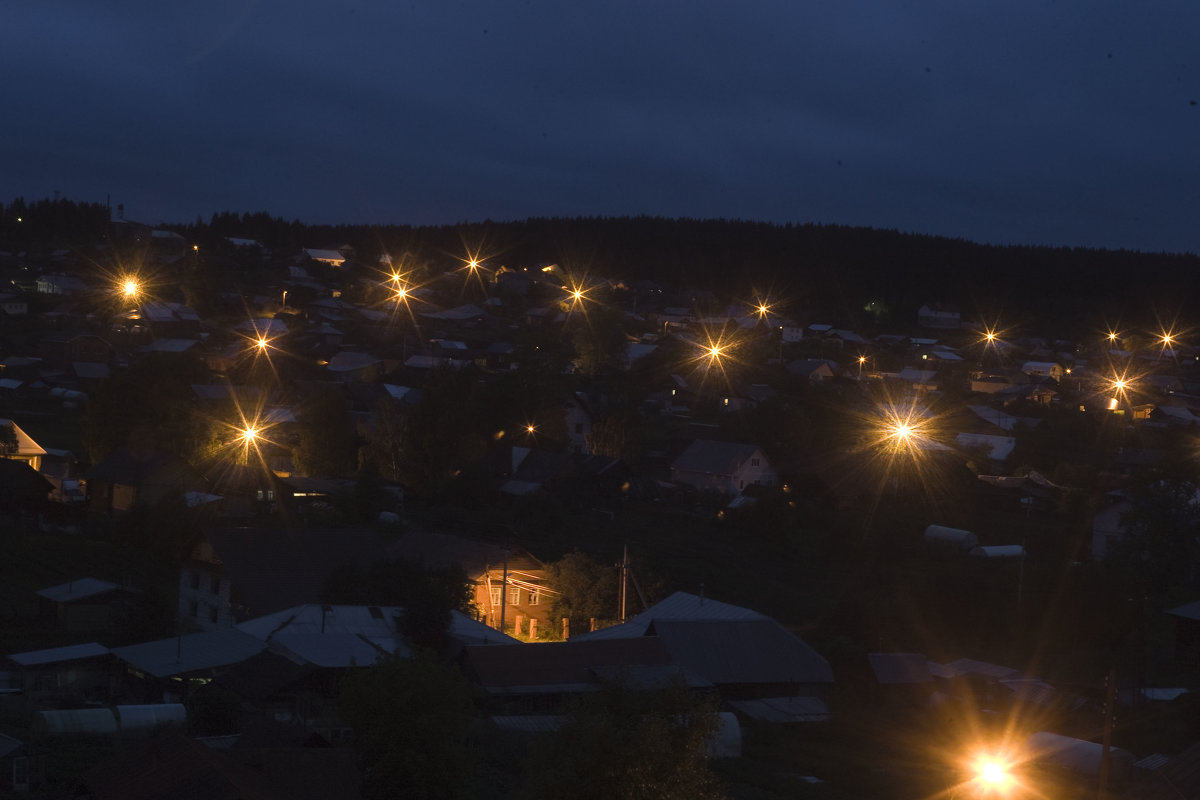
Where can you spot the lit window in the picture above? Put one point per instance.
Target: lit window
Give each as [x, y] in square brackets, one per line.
[514, 596]
[260, 494]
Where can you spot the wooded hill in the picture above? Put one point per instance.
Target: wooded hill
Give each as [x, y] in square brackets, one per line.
[851, 276]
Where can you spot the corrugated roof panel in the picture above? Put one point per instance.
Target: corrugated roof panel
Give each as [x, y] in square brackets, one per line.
[680, 605]
[77, 590]
[194, 652]
[57, 655]
[742, 651]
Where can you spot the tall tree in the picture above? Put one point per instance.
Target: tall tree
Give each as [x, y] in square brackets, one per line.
[412, 720]
[587, 589]
[328, 443]
[622, 744]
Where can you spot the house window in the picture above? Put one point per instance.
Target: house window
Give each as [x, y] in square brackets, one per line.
[725, 401]
[494, 593]
[216, 585]
[212, 614]
[193, 609]
[260, 494]
[754, 462]
[514, 596]
[270, 494]
[533, 597]
[20, 772]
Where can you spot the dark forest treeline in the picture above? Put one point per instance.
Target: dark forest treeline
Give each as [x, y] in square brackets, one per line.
[826, 271]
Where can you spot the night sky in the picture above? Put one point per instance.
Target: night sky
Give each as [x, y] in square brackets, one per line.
[1016, 122]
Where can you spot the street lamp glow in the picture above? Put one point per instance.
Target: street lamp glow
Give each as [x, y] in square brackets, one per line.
[129, 288]
[715, 351]
[992, 775]
[249, 434]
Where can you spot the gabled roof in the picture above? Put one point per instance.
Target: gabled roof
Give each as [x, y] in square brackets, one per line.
[195, 652]
[57, 655]
[349, 360]
[80, 589]
[741, 651]
[714, 458]
[129, 466]
[459, 313]
[680, 605]
[262, 326]
[317, 618]
[26, 446]
[274, 569]
[437, 550]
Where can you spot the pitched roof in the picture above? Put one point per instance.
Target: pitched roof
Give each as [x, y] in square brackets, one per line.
[741, 651]
[195, 652]
[26, 446]
[80, 589]
[57, 655]
[680, 605]
[275, 569]
[331, 636]
[714, 458]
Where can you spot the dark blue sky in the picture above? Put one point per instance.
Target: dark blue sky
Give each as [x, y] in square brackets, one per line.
[1066, 123]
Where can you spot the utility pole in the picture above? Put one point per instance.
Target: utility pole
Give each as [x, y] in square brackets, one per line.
[504, 591]
[624, 587]
[1110, 713]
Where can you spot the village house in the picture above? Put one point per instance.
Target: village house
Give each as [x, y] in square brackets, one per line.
[724, 467]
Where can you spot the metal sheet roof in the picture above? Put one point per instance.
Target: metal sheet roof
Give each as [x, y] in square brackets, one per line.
[194, 652]
[77, 590]
[680, 605]
[742, 651]
[336, 650]
[57, 655]
[314, 618]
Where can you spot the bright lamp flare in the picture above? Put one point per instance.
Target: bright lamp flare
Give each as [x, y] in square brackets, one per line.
[993, 775]
[250, 435]
[129, 288]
